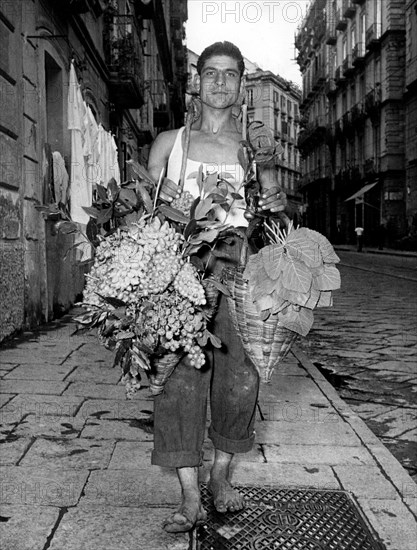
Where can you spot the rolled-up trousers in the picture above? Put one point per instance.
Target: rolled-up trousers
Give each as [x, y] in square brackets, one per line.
[180, 412]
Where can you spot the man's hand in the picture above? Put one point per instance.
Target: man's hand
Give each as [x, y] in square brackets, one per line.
[169, 190]
[273, 199]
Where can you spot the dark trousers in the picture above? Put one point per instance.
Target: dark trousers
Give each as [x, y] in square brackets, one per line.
[180, 412]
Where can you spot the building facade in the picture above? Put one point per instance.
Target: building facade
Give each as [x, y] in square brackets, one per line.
[130, 63]
[275, 101]
[352, 55]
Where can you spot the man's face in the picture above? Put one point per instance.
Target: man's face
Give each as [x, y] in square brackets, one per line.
[220, 82]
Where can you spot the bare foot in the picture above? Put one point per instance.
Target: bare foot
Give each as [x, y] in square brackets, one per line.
[189, 515]
[225, 497]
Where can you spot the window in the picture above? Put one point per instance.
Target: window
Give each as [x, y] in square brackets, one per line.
[250, 97]
[276, 99]
[352, 37]
[54, 103]
[289, 105]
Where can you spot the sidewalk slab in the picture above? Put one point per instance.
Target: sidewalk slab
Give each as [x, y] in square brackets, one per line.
[26, 527]
[115, 409]
[41, 405]
[141, 486]
[74, 454]
[117, 528]
[34, 386]
[48, 372]
[97, 390]
[40, 486]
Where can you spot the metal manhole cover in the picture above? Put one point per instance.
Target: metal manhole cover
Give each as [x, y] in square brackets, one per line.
[286, 519]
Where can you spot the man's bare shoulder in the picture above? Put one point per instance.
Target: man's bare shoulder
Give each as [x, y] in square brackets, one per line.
[165, 140]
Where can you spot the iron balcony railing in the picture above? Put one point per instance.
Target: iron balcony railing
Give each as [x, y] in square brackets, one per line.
[358, 53]
[372, 36]
[348, 9]
[124, 60]
[341, 22]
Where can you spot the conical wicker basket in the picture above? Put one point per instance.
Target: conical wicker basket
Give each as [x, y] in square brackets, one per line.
[161, 369]
[266, 343]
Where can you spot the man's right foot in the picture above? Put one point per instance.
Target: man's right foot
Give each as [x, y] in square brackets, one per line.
[189, 515]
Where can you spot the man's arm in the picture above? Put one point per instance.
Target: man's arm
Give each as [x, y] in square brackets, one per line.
[158, 159]
[272, 197]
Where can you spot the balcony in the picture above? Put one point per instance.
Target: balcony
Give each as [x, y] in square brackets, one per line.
[319, 77]
[348, 9]
[358, 115]
[123, 58]
[341, 22]
[331, 36]
[347, 66]
[75, 6]
[370, 166]
[339, 78]
[347, 126]
[358, 54]
[330, 88]
[373, 103]
[372, 36]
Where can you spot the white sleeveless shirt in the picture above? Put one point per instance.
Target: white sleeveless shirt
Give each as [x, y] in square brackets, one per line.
[233, 173]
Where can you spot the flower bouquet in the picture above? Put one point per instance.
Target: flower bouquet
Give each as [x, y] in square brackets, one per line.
[147, 293]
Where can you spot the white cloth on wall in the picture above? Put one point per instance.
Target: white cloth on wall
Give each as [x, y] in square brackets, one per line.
[61, 177]
[91, 148]
[81, 193]
[107, 157]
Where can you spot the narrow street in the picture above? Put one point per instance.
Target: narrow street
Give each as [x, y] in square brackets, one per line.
[365, 345]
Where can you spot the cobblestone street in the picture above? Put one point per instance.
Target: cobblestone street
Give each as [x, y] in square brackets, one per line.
[365, 345]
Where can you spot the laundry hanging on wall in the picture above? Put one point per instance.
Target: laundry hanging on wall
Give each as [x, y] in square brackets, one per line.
[93, 152]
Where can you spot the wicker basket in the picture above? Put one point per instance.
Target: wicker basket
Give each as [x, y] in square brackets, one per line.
[266, 343]
[161, 370]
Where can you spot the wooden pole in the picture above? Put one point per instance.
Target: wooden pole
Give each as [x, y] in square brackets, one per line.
[187, 133]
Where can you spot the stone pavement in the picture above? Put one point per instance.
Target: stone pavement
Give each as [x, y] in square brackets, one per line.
[76, 471]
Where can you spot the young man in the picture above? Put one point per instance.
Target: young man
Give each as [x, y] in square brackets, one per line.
[180, 411]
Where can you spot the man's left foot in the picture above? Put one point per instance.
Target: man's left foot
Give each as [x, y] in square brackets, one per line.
[225, 497]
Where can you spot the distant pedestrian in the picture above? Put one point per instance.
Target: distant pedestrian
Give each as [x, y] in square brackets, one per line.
[381, 236]
[359, 237]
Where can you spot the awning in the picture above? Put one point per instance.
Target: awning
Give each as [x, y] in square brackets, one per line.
[362, 191]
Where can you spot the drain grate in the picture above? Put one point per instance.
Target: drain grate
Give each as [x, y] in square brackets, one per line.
[286, 519]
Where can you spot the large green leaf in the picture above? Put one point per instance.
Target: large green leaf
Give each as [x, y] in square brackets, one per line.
[102, 192]
[141, 172]
[203, 208]
[314, 298]
[128, 196]
[104, 215]
[303, 249]
[329, 280]
[296, 276]
[265, 302]
[260, 284]
[299, 298]
[91, 211]
[173, 214]
[326, 299]
[327, 251]
[299, 320]
[272, 260]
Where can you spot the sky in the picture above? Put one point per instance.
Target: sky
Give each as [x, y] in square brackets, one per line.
[262, 29]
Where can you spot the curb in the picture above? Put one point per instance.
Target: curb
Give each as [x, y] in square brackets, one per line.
[387, 463]
[387, 252]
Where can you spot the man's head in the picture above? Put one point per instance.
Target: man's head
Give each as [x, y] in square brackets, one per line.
[221, 48]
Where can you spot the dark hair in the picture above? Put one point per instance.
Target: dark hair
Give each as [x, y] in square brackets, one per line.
[221, 48]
